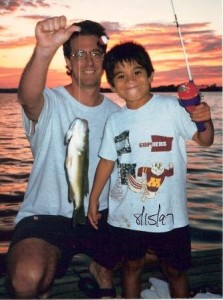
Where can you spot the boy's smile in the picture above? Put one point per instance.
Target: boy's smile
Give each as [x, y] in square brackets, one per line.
[131, 82]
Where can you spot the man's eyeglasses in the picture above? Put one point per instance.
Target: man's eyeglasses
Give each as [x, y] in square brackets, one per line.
[81, 55]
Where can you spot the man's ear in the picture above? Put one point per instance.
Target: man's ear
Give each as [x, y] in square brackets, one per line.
[68, 64]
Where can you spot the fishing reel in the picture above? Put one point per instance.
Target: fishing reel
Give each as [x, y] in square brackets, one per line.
[189, 98]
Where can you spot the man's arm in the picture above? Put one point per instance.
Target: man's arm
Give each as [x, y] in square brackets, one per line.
[50, 35]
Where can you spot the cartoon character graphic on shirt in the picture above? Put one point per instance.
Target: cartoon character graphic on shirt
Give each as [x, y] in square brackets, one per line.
[149, 179]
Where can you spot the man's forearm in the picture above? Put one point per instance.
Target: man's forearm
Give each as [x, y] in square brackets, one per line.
[32, 83]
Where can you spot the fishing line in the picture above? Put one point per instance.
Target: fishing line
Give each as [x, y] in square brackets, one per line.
[79, 73]
[189, 94]
[182, 43]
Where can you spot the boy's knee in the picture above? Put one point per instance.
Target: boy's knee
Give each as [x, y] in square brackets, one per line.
[174, 274]
[178, 283]
[135, 265]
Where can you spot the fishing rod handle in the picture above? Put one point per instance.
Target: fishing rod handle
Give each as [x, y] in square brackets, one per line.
[189, 97]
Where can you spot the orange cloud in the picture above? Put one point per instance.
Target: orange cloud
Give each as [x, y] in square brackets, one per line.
[162, 41]
[21, 42]
[9, 78]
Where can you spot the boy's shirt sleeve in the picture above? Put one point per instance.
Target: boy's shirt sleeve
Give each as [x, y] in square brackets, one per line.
[183, 122]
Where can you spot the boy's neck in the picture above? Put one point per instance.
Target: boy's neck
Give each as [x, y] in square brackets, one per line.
[138, 103]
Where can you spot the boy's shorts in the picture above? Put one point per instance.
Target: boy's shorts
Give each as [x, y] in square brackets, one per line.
[58, 231]
[173, 247]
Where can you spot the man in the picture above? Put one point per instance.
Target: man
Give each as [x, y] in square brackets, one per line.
[44, 240]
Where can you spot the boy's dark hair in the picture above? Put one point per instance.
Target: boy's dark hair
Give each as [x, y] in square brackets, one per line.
[126, 52]
[87, 28]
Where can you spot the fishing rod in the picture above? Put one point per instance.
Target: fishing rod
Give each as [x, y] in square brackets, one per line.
[189, 94]
[182, 43]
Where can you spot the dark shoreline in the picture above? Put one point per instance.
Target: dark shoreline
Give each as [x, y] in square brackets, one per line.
[162, 88]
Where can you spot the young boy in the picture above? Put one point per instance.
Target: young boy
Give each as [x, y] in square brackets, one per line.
[144, 152]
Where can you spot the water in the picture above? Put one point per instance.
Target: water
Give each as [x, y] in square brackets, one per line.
[204, 184]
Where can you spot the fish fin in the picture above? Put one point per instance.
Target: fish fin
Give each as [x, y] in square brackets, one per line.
[71, 195]
[79, 216]
[86, 165]
[86, 184]
[68, 136]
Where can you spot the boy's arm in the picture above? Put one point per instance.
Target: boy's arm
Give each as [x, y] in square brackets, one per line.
[103, 172]
[50, 35]
[202, 113]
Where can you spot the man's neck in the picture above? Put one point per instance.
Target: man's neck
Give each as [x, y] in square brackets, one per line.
[88, 97]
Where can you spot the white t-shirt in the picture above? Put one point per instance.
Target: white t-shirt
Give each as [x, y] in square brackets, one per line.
[47, 191]
[148, 183]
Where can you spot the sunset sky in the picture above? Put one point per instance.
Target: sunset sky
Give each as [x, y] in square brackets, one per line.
[150, 22]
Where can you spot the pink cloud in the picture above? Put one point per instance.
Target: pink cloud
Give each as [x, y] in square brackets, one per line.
[13, 5]
[162, 41]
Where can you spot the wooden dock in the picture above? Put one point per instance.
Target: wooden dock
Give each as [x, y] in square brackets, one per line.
[205, 274]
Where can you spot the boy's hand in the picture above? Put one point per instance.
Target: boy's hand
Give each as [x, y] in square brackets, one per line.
[189, 98]
[93, 215]
[201, 113]
[52, 33]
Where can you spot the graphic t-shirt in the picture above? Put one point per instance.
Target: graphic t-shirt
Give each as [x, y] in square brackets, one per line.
[148, 191]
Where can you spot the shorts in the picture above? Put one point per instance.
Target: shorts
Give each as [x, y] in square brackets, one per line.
[58, 231]
[173, 247]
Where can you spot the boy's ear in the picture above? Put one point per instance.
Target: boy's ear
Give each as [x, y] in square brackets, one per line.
[151, 77]
[113, 89]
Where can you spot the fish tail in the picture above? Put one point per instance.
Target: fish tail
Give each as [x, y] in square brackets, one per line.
[79, 216]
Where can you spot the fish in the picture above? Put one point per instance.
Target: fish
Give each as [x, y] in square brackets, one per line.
[77, 162]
